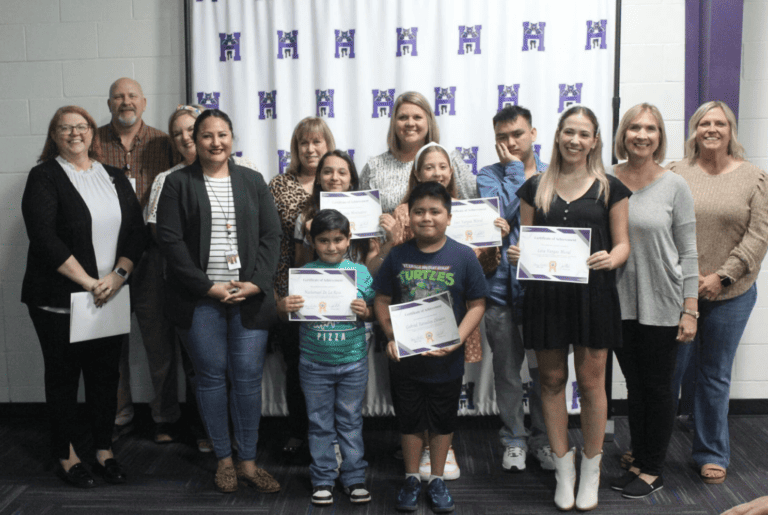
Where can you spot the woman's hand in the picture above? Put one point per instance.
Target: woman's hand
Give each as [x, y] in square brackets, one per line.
[710, 287]
[105, 288]
[392, 352]
[240, 290]
[757, 507]
[290, 304]
[686, 328]
[389, 224]
[513, 254]
[219, 291]
[503, 225]
[437, 353]
[359, 308]
[600, 260]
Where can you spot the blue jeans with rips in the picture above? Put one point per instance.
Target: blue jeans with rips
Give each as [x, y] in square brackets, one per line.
[219, 345]
[711, 354]
[334, 395]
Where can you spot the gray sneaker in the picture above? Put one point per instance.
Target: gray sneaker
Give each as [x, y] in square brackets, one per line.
[544, 455]
[514, 459]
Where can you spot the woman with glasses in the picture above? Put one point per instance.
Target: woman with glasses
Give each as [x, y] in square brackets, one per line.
[85, 235]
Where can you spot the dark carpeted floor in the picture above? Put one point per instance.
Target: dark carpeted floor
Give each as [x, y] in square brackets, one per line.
[177, 478]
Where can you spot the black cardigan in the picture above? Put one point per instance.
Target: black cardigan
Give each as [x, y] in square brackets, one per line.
[58, 224]
[184, 236]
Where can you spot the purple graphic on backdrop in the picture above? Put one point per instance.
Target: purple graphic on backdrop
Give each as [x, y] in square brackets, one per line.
[406, 41]
[345, 43]
[508, 95]
[445, 101]
[230, 46]
[267, 104]
[537, 150]
[533, 36]
[288, 44]
[469, 156]
[569, 94]
[383, 100]
[469, 39]
[596, 34]
[239, 153]
[283, 160]
[324, 101]
[351, 152]
[209, 100]
[575, 397]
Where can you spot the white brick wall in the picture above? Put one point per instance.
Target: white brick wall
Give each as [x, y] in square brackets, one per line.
[58, 52]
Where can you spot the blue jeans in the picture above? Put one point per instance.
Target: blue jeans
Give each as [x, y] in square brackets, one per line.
[506, 342]
[218, 345]
[712, 352]
[334, 395]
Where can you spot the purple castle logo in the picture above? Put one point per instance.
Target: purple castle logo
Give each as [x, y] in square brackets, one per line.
[469, 39]
[569, 94]
[596, 34]
[533, 36]
[406, 41]
[469, 156]
[508, 95]
[575, 399]
[239, 153]
[445, 101]
[283, 160]
[267, 104]
[345, 43]
[324, 100]
[209, 100]
[537, 150]
[383, 100]
[467, 397]
[351, 152]
[230, 46]
[288, 44]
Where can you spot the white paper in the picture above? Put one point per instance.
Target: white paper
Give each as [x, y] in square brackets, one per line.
[557, 254]
[87, 322]
[424, 325]
[328, 293]
[362, 209]
[472, 222]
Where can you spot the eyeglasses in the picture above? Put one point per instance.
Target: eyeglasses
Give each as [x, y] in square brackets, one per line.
[79, 129]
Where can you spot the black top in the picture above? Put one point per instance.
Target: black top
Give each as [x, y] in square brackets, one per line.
[58, 224]
[184, 236]
[555, 314]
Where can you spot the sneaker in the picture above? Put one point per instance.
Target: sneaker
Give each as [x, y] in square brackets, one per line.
[514, 459]
[408, 496]
[638, 488]
[322, 495]
[358, 494]
[204, 445]
[439, 497]
[620, 483]
[544, 455]
[451, 470]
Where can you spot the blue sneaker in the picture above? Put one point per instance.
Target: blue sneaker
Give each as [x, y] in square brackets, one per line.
[408, 497]
[439, 497]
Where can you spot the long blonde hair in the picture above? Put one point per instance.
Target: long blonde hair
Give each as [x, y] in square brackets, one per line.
[418, 163]
[545, 192]
[309, 125]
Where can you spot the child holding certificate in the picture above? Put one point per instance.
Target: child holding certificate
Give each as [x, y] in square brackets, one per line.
[333, 370]
[426, 387]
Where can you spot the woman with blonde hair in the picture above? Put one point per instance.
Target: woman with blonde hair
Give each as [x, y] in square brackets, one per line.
[731, 204]
[575, 192]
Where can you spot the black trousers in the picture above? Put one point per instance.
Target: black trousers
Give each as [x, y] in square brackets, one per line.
[288, 334]
[647, 360]
[97, 360]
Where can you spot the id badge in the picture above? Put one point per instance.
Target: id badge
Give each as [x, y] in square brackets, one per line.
[233, 259]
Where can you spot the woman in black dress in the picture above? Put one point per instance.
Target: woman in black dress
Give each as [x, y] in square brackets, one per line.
[575, 192]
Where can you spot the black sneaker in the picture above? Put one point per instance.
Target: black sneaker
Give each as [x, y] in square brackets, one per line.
[408, 497]
[358, 494]
[322, 495]
[638, 488]
[620, 483]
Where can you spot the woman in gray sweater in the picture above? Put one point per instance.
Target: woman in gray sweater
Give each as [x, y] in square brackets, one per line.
[658, 290]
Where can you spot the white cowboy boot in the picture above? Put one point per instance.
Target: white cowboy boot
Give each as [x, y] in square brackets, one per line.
[589, 483]
[565, 473]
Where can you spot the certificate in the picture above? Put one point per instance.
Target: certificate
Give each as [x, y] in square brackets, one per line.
[556, 254]
[472, 222]
[87, 322]
[327, 293]
[362, 208]
[424, 325]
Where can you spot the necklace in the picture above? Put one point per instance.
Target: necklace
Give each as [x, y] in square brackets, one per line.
[226, 213]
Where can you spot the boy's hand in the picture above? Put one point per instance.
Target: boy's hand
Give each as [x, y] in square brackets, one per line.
[503, 225]
[438, 353]
[513, 254]
[392, 351]
[359, 308]
[290, 304]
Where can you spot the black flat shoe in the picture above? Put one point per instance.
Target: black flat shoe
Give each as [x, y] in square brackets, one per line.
[77, 476]
[620, 483]
[111, 471]
[638, 488]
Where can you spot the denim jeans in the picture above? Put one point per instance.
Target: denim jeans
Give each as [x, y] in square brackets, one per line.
[506, 342]
[712, 352]
[334, 395]
[218, 345]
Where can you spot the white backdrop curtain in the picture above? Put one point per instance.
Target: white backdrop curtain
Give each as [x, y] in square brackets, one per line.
[270, 63]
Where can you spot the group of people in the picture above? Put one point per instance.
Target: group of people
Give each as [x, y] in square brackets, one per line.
[207, 246]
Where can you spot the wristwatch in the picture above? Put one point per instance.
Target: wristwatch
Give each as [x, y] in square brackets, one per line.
[694, 314]
[726, 281]
[122, 272]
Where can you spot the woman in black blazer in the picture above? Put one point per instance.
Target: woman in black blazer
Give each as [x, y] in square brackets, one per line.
[219, 231]
[86, 233]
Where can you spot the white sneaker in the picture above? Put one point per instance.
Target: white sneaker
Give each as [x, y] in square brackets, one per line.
[544, 455]
[514, 459]
[451, 470]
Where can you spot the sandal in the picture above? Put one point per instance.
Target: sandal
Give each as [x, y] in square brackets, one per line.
[627, 459]
[712, 474]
